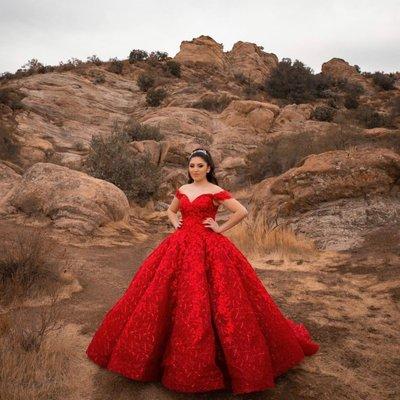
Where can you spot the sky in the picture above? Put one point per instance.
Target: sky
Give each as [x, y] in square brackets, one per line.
[366, 33]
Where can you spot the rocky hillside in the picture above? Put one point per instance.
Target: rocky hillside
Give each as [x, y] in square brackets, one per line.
[324, 161]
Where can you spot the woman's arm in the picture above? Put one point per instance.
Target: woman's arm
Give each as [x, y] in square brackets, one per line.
[238, 213]
[172, 213]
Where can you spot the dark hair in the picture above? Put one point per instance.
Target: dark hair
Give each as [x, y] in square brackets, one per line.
[206, 156]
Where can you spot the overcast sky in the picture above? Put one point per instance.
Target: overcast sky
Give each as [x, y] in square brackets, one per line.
[366, 33]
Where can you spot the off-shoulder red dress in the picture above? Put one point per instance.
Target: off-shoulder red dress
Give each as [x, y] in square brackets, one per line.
[197, 318]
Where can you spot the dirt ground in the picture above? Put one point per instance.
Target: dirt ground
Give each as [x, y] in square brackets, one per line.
[348, 300]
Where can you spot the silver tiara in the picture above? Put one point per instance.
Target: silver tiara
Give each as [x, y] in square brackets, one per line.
[199, 150]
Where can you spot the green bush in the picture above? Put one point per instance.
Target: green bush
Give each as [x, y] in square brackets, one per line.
[137, 131]
[154, 96]
[145, 82]
[111, 159]
[384, 81]
[295, 83]
[137, 55]
[350, 101]
[323, 113]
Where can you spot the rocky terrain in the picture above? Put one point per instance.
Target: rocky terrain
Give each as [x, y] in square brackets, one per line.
[333, 181]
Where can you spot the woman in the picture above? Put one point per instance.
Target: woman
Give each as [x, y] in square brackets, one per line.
[196, 316]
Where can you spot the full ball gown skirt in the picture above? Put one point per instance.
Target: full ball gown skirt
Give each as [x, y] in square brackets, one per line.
[196, 317]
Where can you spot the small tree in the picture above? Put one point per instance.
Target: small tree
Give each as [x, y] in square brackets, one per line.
[137, 55]
[155, 96]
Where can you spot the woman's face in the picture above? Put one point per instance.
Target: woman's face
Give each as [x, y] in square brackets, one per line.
[198, 169]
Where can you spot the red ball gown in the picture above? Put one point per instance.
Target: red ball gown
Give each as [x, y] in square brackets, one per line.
[197, 318]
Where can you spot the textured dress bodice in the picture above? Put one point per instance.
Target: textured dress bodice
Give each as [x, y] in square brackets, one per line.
[200, 208]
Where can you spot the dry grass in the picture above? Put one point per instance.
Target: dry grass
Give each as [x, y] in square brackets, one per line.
[25, 267]
[40, 356]
[258, 239]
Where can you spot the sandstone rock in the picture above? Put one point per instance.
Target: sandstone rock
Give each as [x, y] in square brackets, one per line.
[326, 184]
[292, 116]
[341, 69]
[157, 150]
[74, 201]
[64, 111]
[251, 61]
[249, 114]
[203, 50]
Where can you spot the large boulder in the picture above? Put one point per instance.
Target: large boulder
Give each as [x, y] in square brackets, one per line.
[250, 115]
[251, 61]
[203, 50]
[292, 116]
[73, 200]
[338, 68]
[334, 197]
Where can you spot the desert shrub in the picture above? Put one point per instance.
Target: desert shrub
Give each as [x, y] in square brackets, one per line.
[321, 85]
[9, 147]
[370, 118]
[25, 269]
[384, 81]
[5, 76]
[160, 55]
[352, 88]
[145, 82]
[12, 97]
[137, 55]
[155, 96]
[174, 68]
[137, 131]
[323, 113]
[111, 159]
[213, 103]
[350, 101]
[99, 79]
[33, 66]
[116, 66]
[71, 64]
[241, 78]
[95, 60]
[293, 82]
[252, 90]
